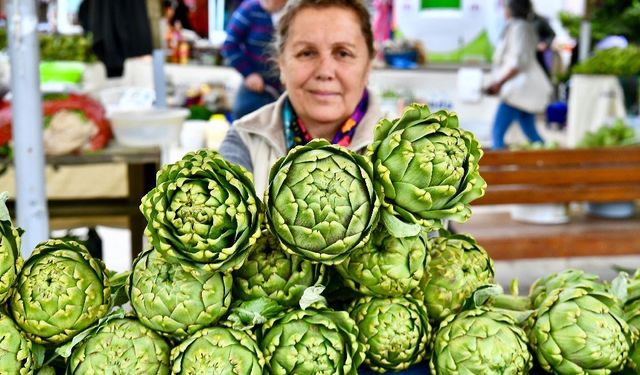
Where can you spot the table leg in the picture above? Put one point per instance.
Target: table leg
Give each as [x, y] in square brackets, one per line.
[141, 180]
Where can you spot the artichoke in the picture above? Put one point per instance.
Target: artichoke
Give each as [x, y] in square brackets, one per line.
[388, 266]
[320, 203]
[393, 331]
[270, 272]
[565, 279]
[61, 291]
[16, 356]
[10, 260]
[426, 168]
[121, 346]
[318, 342]
[631, 314]
[220, 351]
[204, 208]
[480, 341]
[458, 266]
[578, 331]
[177, 298]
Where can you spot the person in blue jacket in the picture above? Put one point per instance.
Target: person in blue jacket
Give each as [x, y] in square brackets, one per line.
[249, 34]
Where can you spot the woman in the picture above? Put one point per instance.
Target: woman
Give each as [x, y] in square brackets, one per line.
[324, 52]
[518, 78]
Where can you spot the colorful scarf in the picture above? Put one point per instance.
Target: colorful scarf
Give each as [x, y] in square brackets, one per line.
[295, 132]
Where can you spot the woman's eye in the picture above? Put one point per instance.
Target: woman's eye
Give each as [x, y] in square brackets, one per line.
[344, 53]
[305, 53]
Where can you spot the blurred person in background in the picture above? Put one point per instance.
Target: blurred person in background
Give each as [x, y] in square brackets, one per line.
[246, 48]
[324, 53]
[517, 78]
[545, 38]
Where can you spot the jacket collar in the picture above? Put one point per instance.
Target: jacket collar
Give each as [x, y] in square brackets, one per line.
[267, 123]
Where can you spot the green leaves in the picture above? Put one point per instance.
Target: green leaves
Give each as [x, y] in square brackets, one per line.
[121, 346]
[578, 330]
[320, 203]
[16, 355]
[387, 266]
[394, 331]
[203, 208]
[10, 260]
[176, 298]
[425, 168]
[312, 342]
[61, 291]
[480, 341]
[218, 350]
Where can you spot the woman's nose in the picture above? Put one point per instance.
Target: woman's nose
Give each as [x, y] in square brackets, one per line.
[326, 68]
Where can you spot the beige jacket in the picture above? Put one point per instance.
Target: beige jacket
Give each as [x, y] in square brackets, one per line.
[262, 133]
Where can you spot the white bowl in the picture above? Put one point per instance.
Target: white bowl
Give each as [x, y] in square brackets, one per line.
[148, 127]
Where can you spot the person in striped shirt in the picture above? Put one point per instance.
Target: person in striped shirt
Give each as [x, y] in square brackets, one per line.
[249, 34]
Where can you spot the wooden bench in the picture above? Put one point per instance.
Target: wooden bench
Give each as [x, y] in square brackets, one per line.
[557, 176]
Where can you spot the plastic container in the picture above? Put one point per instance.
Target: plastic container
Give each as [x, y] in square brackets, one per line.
[148, 127]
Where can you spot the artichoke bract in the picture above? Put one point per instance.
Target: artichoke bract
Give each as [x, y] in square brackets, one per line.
[457, 267]
[426, 167]
[388, 266]
[177, 298]
[10, 260]
[565, 279]
[394, 331]
[631, 314]
[480, 341]
[16, 356]
[205, 209]
[319, 342]
[578, 331]
[121, 346]
[321, 203]
[61, 291]
[220, 351]
[270, 272]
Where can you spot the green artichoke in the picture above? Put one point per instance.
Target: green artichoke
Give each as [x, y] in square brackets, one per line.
[220, 351]
[578, 331]
[388, 266]
[177, 298]
[458, 266]
[565, 279]
[312, 342]
[10, 260]
[121, 346]
[204, 208]
[631, 314]
[320, 203]
[16, 356]
[426, 168]
[61, 291]
[270, 272]
[480, 341]
[393, 331]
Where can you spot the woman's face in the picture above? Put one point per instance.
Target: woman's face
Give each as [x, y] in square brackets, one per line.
[324, 65]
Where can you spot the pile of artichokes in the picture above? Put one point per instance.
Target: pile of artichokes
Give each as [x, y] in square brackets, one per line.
[344, 267]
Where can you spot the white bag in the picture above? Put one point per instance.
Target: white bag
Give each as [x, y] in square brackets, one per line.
[530, 90]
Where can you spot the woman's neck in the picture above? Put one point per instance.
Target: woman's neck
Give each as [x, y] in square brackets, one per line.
[322, 130]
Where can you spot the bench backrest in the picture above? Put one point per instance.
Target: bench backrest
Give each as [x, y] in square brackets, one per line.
[558, 176]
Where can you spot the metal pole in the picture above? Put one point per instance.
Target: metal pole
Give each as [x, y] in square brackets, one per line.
[584, 46]
[26, 108]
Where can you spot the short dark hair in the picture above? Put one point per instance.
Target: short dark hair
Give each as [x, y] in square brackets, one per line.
[293, 7]
[522, 9]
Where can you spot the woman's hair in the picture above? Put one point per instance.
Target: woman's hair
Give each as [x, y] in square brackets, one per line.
[293, 7]
[522, 9]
